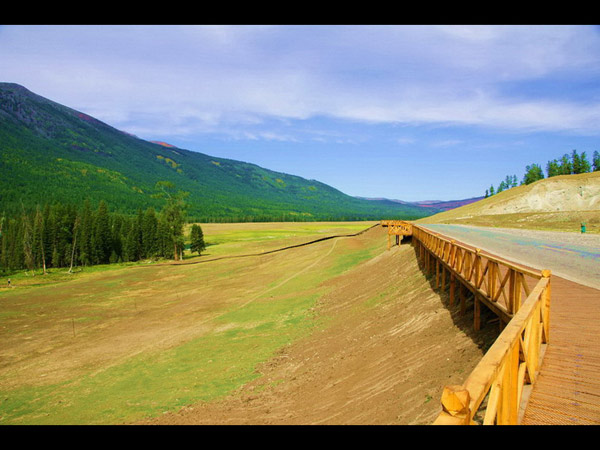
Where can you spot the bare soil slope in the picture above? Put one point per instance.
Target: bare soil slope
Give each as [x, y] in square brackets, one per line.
[559, 203]
[382, 349]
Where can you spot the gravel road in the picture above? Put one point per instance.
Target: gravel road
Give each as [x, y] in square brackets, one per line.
[574, 256]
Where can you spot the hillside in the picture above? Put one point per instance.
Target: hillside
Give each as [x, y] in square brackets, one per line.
[557, 203]
[49, 153]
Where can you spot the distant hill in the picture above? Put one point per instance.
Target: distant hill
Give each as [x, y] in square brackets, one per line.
[50, 153]
[434, 205]
[559, 202]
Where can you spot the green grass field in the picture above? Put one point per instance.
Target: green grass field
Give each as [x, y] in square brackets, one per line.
[117, 344]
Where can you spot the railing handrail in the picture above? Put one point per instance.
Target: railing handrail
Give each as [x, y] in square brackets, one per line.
[513, 359]
[504, 262]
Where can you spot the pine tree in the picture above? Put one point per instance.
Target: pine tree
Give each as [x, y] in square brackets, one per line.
[149, 233]
[576, 162]
[565, 168]
[38, 239]
[101, 238]
[197, 239]
[552, 168]
[585, 164]
[85, 234]
[173, 216]
[596, 161]
[27, 241]
[533, 173]
[131, 246]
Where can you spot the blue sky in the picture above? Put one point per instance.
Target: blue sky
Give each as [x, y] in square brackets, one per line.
[403, 112]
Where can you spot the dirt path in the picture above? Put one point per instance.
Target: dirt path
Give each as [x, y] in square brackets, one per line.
[383, 347]
[573, 256]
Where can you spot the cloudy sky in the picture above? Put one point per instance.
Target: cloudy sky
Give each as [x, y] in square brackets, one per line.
[403, 112]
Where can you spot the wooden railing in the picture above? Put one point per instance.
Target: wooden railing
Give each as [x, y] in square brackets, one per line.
[494, 391]
[398, 228]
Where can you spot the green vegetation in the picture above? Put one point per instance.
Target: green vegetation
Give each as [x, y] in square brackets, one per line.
[63, 236]
[218, 357]
[52, 154]
[197, 244]
[574, 163]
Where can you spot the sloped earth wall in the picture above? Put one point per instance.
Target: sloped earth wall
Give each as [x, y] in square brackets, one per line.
[383, 347]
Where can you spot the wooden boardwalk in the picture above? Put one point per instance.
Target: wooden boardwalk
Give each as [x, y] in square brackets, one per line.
[567, 390]
[567, 387]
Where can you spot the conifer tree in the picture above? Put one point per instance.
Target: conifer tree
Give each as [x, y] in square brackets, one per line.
[576, 162]
[101, 237]
[38, 238]
[565, 168]
[585, 166]
[532, 173]
[85, 234]
[149, 234]
[173, 216]
[552, 168]
[131, 247]
[197, 239]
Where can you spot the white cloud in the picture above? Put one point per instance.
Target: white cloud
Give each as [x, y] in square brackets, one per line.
[176, 80]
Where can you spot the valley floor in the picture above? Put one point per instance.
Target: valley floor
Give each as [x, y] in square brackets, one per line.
[341, 331]
[385, 347]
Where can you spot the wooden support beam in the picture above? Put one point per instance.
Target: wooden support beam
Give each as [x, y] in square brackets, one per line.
[452, 287]
[476, 313]
[463, 299]
[443, 279]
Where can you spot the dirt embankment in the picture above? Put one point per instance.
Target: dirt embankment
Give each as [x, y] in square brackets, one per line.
[383, 347]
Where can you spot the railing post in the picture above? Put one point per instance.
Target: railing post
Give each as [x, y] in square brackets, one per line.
[546, 307]
[455, 406]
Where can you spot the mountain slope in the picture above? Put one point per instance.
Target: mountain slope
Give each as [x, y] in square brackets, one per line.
[49, 152]
[435, 205]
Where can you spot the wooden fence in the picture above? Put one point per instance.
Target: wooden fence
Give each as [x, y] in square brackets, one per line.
[493, 393]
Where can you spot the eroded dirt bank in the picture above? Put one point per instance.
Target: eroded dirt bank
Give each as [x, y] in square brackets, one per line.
[383, 347]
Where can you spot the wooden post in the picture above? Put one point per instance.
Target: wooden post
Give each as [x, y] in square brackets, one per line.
[492, 279]
[455, 406]
[437, 274]
[452, 286]
[511, 291]
[508, 411]
[477, 263]
[546, 307]
[443, 279]
[476, 313]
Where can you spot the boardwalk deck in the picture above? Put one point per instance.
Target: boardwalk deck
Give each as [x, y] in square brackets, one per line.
[567, 388]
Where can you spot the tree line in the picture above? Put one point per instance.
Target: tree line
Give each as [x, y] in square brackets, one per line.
[568, 164]
[63, 235]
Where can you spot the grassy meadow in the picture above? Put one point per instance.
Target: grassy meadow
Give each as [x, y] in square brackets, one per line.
[115, 344]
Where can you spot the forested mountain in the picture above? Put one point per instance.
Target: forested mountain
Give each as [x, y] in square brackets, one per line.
[52, 153]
